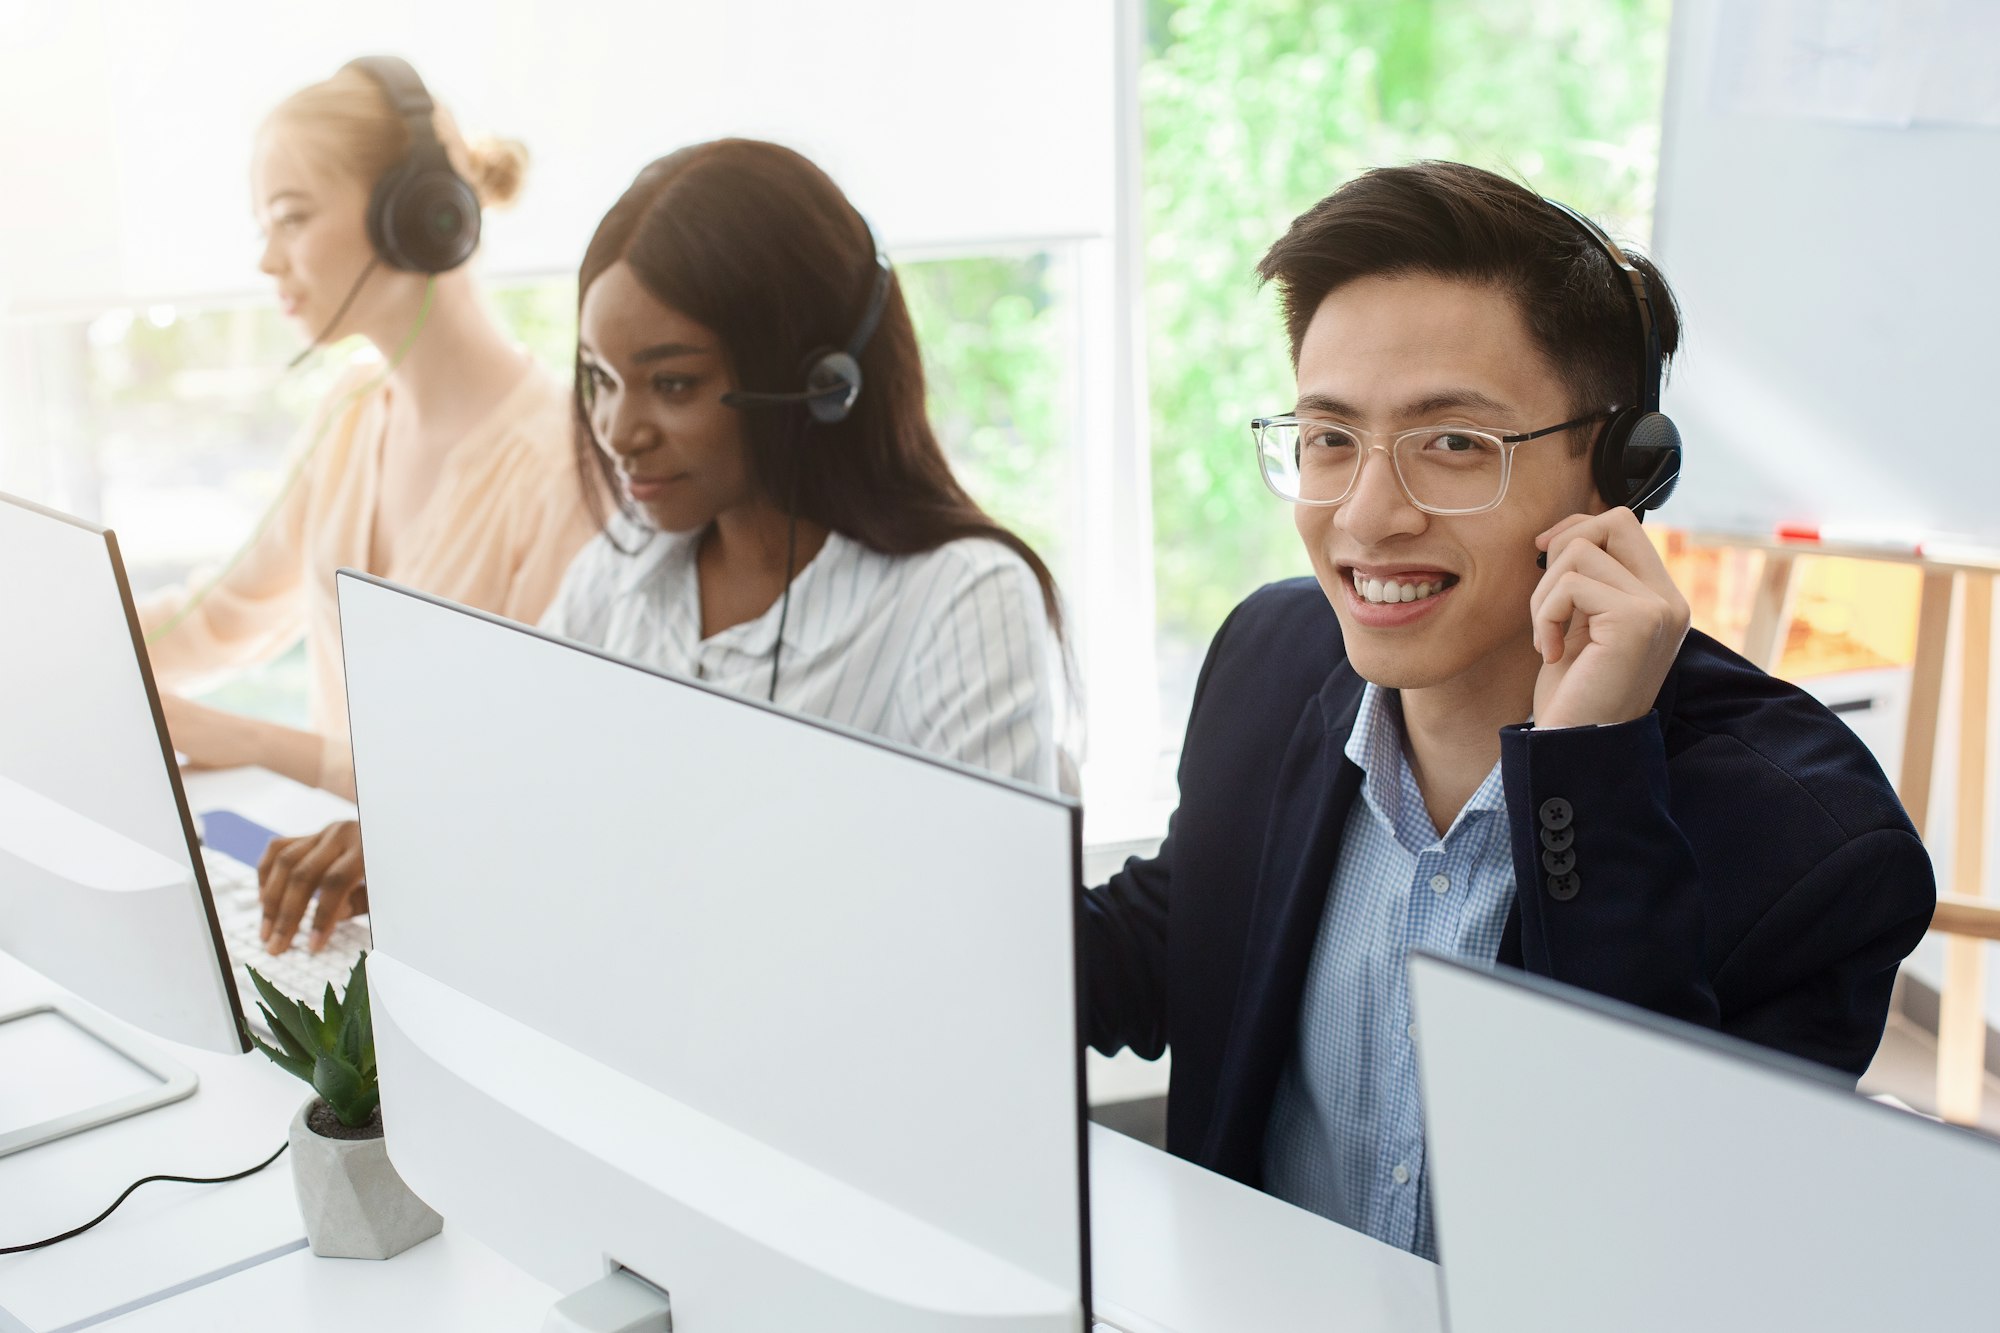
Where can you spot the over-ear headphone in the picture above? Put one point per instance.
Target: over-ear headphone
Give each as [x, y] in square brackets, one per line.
[422, 216]
[1638, 457]
[832, 374]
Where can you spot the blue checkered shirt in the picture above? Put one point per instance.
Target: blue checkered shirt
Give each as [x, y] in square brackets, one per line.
[1346, 1135]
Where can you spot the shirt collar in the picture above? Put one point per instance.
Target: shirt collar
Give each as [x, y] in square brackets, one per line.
[1376, 747]
[662, 569]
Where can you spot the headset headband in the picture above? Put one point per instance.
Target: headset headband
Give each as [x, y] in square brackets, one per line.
[407, 97]
[878, 299]
[1649, 333]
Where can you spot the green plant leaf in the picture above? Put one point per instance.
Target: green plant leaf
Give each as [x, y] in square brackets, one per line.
[340, 1084]
[276, 1002]
[297, 1066]
[319, 1036]
[361, 1016]
[349, 1047]
[286, 1040]
[330, 1011]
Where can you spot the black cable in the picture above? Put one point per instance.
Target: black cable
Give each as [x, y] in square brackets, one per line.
[180, 1180]
[791, 555]
[341, 313]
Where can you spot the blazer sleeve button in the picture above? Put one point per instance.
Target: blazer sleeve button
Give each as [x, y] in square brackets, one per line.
[1556, 813]
[1558, 839]
[1562, 888]
[1559, 863]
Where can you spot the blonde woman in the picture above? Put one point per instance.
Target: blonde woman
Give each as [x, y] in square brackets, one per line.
[446, 466]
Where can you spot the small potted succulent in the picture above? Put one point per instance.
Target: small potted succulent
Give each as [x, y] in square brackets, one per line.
[354, 1203]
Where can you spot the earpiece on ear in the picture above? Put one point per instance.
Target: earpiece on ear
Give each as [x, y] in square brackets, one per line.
[833, 383]
[1652, 462]
[1638, 460]
[422, 215]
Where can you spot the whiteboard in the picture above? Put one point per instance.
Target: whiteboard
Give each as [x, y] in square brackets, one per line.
[1828, 201]
[126, 125]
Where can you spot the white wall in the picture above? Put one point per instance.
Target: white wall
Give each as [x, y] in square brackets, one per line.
[125, 125]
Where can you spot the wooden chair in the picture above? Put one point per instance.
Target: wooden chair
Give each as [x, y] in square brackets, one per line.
[1966, 918]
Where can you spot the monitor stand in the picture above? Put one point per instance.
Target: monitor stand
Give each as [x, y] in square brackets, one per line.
[620, 1302]
[83, 1074]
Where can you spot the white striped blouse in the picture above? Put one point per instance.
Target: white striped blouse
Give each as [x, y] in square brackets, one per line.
[949, 650]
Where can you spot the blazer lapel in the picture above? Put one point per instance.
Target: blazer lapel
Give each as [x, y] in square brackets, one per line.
[1316, 788]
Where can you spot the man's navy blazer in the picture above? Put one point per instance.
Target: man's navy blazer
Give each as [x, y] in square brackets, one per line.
[1739, 861]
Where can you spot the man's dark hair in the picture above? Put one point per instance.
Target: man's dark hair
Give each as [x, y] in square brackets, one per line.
[1455, 221]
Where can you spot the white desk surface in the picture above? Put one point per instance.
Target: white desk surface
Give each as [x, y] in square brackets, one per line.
[1176, 1249]
[448, 1284]
[165, 1234]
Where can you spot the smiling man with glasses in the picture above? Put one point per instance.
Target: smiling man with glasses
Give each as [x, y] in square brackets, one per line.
[1485, 728]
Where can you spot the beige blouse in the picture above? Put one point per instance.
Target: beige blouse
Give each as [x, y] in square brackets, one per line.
[497, 534]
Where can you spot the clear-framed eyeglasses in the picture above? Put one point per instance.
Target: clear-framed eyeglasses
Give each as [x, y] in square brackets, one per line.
[1445, 470]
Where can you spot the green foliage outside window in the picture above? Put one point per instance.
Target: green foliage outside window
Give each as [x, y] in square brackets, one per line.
[997, 360]
[1254, 110]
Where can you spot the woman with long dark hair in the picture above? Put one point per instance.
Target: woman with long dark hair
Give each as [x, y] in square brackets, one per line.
[812, 548]
[835, 566]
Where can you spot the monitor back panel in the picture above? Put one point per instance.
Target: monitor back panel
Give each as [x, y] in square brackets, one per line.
[77, 723]
[860, 957]
[1599, 1168]
[107, 899]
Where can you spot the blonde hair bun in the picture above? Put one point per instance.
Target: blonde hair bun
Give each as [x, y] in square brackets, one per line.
[346, 122]
[495, 169]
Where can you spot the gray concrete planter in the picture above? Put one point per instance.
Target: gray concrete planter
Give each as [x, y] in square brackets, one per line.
[354, 1203]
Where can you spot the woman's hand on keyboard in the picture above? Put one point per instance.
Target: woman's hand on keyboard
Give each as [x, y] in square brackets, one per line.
[325, 865]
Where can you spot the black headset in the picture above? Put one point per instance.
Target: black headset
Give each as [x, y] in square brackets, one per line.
[832, 374]
[1638, 456]
[422, 217]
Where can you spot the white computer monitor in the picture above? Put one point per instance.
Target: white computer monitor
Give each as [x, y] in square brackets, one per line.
[100, 882]
[1598, 1167]
[779, 1017]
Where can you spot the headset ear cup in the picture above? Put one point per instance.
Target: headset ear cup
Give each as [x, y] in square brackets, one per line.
[833, 378]
[1607, 462]
[1652, 461]
[423, 217]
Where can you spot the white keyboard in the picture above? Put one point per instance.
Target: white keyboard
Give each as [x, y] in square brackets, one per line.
[301, 975]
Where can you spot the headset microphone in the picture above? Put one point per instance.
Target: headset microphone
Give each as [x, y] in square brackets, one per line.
[338, 315]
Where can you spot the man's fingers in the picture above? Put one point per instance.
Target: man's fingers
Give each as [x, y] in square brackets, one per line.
[1618, 532]
[1592, 561]
[1571, 595]
[1546, 538]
